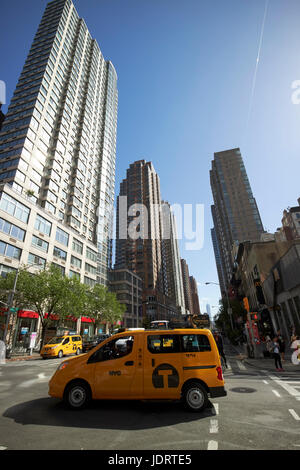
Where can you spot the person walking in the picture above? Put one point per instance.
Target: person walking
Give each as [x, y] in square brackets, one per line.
[276, 354]
[220, 346]
[281, 345]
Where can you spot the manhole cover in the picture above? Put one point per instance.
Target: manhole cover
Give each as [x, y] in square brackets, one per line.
[243, 390]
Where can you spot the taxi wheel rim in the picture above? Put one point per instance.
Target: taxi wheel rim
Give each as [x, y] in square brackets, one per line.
[195, 398]
[77, 396]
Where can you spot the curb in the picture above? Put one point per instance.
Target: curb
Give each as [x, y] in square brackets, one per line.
[23, 358]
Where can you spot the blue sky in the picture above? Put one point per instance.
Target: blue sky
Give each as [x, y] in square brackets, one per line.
[185, 72]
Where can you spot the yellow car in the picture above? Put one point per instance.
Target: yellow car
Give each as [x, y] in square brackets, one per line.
[182, 364]
[60, 346]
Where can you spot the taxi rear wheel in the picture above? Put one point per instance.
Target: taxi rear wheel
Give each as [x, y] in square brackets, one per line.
[78, 351]
[195, 397]
[77, 395]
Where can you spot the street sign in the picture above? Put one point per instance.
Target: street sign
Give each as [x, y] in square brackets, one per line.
[13, 310]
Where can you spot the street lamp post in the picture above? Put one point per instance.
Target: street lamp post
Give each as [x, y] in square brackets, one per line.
[229, 309]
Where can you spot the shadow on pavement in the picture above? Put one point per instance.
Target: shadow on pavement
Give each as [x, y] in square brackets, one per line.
[120, 415]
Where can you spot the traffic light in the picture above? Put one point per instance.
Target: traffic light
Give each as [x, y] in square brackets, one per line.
[255, 316]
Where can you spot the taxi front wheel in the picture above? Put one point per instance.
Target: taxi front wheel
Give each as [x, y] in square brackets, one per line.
[195, 397]
[77, 395]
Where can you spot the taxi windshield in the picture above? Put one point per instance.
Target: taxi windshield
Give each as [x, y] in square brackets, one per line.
[56, 340]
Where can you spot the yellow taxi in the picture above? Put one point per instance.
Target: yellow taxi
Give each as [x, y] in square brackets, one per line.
[182, 364]
[60, 346]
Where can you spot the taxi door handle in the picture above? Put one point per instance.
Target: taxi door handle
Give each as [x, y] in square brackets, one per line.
[153, 362]
[129, 363]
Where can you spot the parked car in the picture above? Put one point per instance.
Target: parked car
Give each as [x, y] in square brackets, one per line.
[89, 342]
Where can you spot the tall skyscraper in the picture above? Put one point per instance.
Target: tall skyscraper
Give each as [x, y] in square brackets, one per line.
[187, 287]
[235, 214]
[171, 258]
[142, 222]
[195, 297]
[58, 141]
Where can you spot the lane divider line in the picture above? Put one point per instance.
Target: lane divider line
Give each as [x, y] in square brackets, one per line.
[212, 445]
[294, 414]
[214, 426]
[276, 393]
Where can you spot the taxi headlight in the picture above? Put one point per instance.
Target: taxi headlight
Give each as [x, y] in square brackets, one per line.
[63, 365]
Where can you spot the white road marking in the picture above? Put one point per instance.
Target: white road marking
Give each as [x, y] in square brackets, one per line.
[294, 414]
[265, 382]
[241, 365]
[216, 407]
[276, 393]
[214, 426]
[212, 445]
[3, 448]
[291, 390]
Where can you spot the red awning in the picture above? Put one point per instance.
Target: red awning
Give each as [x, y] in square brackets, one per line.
[87, 320]
[27, 314]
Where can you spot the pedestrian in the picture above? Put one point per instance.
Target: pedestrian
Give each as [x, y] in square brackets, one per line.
[268, 343]
[276, 354]
[281, 345]
[295, 342]
[220, 346]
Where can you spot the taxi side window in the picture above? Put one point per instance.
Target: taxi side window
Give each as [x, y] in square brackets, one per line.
[195, 343]
[163, 344]
[115, 349]
[75, 338]
[66, 341]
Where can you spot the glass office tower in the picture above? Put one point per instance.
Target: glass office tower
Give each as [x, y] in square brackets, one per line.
[58, 141]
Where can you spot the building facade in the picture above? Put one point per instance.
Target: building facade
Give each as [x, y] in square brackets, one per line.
[291, 222]
[142, 220]
[31, 236]
[282, 291]
[187, 287]
[128, 288]
[58, 141]
[194, 294]
[235, 213]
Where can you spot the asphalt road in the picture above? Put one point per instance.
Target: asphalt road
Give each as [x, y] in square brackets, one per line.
[260, 412]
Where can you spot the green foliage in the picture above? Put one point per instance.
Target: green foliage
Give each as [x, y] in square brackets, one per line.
[49, 292]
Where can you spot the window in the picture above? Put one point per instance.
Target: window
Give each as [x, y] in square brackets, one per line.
[10, 251]
[195, 343]
[42, 225]
[59, 253]
[34, 259]
[11, 206]
[4, 270]
[74, 274]
[92, 255]
[90, 269]
[115, 349]
[39, 243]
[76, 261]
[163, 344]
[77, 246]
[89, 282]
[12, 230]
[61, 268]
[62, 236]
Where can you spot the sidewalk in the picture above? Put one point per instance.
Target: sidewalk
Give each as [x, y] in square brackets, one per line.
[24, 357]
[269, 364]
[265, 363]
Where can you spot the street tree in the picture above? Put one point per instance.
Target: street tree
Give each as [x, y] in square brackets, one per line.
[47, 292]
